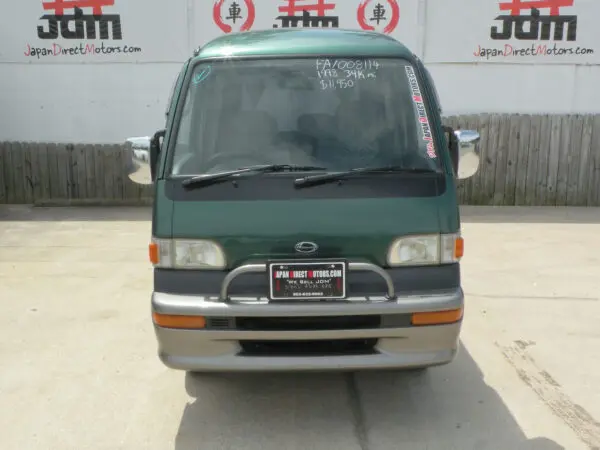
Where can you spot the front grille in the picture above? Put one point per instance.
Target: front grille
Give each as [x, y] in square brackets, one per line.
[332, 347]
[310, 323]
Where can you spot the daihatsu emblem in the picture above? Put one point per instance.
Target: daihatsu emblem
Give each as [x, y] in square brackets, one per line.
[306, 247]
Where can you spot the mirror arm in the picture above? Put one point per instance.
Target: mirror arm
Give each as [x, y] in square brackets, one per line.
[155, 151]
[453, 147]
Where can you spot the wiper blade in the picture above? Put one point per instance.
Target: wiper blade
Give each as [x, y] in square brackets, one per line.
[319, 179]
[205, 180]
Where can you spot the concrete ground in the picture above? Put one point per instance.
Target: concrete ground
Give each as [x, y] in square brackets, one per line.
[78, 364]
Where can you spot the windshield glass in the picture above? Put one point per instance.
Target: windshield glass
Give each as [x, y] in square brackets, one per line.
[333, 113]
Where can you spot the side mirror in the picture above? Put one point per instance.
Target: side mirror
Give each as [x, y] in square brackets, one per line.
[468, 153]
[464, 151]
[142, 157]
[137, 159]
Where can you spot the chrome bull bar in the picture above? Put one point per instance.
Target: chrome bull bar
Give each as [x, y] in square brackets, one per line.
[352, 267]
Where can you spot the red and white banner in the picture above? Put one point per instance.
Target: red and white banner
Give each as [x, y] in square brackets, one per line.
[510, 31]
[153, 31]
[397, 18]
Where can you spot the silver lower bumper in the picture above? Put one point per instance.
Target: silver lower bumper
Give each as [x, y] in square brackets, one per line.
[221, 350]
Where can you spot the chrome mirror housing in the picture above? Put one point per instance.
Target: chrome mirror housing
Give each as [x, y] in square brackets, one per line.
[468, 151]
[138, 159]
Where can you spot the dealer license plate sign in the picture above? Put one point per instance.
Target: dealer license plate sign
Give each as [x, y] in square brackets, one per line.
[320, 280]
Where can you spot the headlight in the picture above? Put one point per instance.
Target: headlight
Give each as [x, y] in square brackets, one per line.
[186, 254]
[425, 250]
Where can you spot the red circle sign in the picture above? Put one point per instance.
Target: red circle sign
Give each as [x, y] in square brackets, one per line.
[392, 19]
[218, 18]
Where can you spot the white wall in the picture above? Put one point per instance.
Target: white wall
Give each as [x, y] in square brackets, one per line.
[107, 98]
[39, 104]
[517, 88]
[509, 84]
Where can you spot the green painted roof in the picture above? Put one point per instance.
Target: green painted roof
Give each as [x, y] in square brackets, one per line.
[305, 42]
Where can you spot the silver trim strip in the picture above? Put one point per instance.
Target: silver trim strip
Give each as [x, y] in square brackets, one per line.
[352, 267]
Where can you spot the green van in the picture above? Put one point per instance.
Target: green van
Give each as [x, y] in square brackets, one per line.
[305, 209]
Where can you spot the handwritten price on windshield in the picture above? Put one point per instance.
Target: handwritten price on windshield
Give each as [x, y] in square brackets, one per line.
[336, 84]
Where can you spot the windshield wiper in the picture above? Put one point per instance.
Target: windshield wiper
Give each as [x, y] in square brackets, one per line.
[328, 177]
[205, 180]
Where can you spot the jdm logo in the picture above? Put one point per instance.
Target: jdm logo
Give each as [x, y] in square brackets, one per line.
[374, 14]
[534, 26]
[69, 21]
[295, 14]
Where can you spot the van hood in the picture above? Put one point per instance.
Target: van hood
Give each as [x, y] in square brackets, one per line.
[359, 229]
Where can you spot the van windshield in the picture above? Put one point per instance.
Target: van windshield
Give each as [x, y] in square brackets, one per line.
[338, 114]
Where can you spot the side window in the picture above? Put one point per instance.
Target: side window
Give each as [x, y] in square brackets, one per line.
[183, 132]
[171, 93]
[435, 92]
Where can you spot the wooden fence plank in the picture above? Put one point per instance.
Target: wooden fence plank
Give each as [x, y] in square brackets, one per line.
[79, 171]
[541, 189]
[90, 169]
[595, 187]
[54, 182]
[22, 167]
[36, 158]
[553, 159]
[73, 189]
[489, 154]
[28, 155]
[521, 160]
[573, 157]
[114, 166]
[562, 172]
[147, 192]
[501, 160]
[593, 196]
[43, 174]
[532, 148]
[16, 156]
[585, 160]
[99, 175]
[106, 172]
[117, 167]
[63, 163]
[9, 174]
[13, 174]
[514, 143]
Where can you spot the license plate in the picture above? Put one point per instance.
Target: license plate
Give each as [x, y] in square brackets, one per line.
[323, 280]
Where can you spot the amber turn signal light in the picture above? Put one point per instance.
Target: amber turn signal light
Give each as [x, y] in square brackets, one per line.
[437, 317]
[179, 322]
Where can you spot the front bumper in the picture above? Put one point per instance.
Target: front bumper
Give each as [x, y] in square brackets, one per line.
[228, 343]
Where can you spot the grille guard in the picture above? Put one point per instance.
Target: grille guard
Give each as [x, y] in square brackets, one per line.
[352, 267]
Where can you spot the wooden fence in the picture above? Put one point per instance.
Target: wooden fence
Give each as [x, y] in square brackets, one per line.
[534, 160]
[59, 174]
[525, 160]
